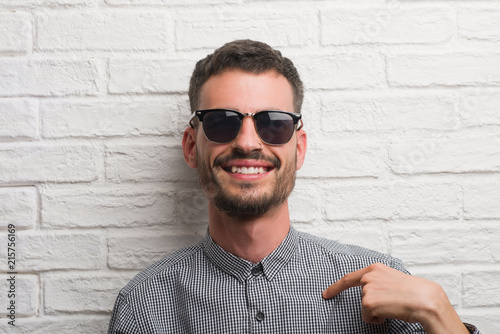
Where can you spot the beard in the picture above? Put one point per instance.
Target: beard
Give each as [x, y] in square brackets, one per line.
[248, 202]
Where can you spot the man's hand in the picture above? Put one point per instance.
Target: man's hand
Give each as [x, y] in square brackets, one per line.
[389, 293]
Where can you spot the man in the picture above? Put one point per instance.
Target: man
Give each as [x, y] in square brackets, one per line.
[253, 273]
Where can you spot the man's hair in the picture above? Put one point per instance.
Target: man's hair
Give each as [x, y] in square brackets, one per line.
[246, 55]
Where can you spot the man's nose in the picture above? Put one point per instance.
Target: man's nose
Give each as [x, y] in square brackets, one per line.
[247, 140]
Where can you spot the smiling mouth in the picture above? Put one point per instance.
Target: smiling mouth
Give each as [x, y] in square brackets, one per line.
[247, 170]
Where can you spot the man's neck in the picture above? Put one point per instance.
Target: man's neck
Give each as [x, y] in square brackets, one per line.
[250, 239]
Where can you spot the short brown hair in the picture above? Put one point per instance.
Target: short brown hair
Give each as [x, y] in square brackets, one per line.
[247, 55]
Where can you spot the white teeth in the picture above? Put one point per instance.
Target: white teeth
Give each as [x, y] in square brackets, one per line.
[248, 170]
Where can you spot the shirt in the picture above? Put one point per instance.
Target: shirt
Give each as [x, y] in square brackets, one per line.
[204, 289]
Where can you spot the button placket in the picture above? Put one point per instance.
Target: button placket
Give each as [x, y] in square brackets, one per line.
[258, 298]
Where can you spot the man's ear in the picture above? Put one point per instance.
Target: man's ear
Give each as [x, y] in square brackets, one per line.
[301, 147]
[189, 147]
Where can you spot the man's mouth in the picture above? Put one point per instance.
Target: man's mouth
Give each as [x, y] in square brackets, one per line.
[246, 170]
[252, 166]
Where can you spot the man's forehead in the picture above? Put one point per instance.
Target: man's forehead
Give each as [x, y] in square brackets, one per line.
[264, 91]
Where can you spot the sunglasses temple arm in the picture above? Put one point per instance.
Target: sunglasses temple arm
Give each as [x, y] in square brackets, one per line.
[301, 125]
[191, 122]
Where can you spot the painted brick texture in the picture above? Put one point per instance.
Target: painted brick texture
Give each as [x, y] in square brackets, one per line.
[103, 30]
[15, 33]
[22, 118]
[401, 112]
[47, 77]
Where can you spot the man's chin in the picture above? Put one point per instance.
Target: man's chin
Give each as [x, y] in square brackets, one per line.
[243, 208]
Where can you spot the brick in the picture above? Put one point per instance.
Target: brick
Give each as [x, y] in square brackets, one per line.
[40, 251]
[190, 206]
[447, 69]
[149, 76]
[408, 201]
[445, 244]
[26, 294]
[139, 252]
[480, 107]
[481, 200]
[169, 2]
[15, 33]
[212, 27]
[22, 117]
[352, 159]
[457, 154]
[49, 163]
[481, 288]
[354, 233]
[340, 71]
[75, 292]
[79, 324]
[104, 207]
[48, 77]
[91, 118]
[382, 111]
[18, 206]
[46, 3]
[147, 163]
[481, 23]
[103, 30]
[305, 201]
[388, 24]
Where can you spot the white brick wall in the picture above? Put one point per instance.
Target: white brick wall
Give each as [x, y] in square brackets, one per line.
[16, 32]
[22, 117]
[402, 113]
[102, 29]
[23, 76]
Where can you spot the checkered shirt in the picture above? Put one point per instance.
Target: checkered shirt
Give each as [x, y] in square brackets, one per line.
[204, 289]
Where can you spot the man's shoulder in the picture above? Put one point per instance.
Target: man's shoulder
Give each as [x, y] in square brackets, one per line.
[168, 266]
[337, 250]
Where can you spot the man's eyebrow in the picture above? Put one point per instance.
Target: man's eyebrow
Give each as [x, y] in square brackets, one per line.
[255, 111]
[270, 108]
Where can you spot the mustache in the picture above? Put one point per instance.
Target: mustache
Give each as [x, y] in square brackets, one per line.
[257, 155]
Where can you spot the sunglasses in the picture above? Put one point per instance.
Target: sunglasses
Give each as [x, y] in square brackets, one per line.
[222, 126]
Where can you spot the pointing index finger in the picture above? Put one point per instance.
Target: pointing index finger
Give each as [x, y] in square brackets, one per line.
[348, 281]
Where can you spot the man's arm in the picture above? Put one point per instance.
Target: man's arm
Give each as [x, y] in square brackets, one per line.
[389, 293]
[122, 319]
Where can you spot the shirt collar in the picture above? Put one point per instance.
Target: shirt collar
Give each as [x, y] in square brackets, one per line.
[241, 268]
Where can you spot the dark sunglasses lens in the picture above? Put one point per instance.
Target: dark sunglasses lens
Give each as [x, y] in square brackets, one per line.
[275, 128]
[221, 126]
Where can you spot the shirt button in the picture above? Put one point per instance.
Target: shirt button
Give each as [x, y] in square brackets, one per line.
[257, 270]
[259, 316]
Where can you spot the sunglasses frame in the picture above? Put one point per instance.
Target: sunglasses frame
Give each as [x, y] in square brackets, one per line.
[296, 117]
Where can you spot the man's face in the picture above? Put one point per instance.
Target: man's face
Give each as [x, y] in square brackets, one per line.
[246, 177]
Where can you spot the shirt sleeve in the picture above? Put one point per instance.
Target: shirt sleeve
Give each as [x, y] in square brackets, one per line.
[472, 329]
[122, 319]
